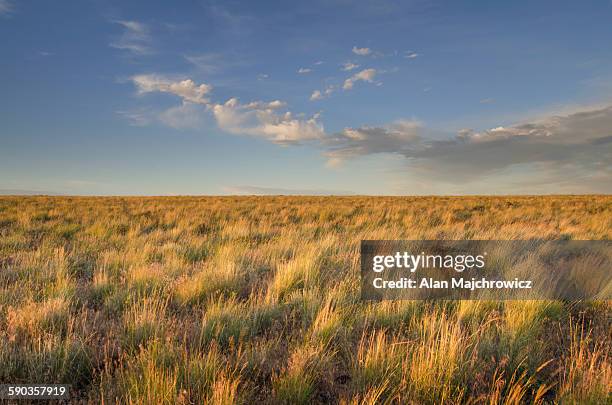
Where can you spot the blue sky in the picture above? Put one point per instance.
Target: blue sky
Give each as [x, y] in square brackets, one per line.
[365, 97]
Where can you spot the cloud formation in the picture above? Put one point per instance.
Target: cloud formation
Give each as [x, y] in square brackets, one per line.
[304, 70]
[267, 120]
[568, 144]
[568, 149]
[572, 148]
[186, 89]
[366, 75]
[135, 38]
[398, 137]
[361, 51]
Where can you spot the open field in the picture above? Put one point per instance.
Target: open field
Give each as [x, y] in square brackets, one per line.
[256, 299]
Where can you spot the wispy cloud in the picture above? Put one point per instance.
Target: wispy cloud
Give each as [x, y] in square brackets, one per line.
[206, 62]
[348, 66]
[304, 70]
[135, 38]
[411, 55]
[366, 75]
[137, 118]
[211, 63]
[185, 116]
[361, 51]
[6, 7]
[230, 22]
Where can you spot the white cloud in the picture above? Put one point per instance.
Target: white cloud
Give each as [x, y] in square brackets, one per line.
[135, 38]
[6, 7]
[366, 75]
[319, 95]
[262, 105]
[185, 116]
[186, 89]
[411, 55]
[348, 66]
[316, 95]
[319, 62]
[276, 104]
[361, 51]
[304, 70]
[262, 120]
[258, 118]
[263, 76]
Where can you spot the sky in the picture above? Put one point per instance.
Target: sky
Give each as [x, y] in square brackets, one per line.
[343, 97]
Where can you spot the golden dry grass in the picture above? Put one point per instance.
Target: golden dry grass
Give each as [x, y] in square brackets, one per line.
[256, 299]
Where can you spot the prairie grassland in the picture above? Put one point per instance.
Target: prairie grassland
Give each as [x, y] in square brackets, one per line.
[256, 299]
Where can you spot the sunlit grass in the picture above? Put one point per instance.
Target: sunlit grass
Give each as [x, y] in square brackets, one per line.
[256, 300]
